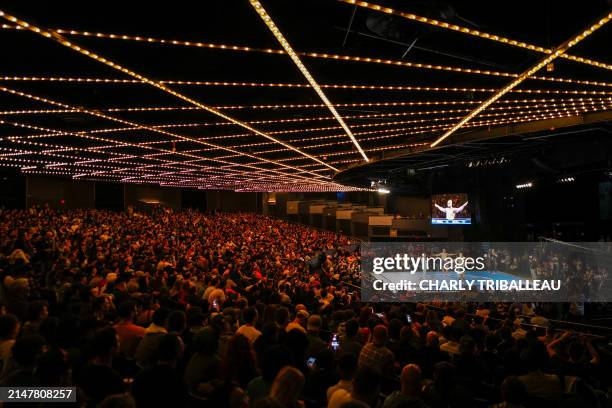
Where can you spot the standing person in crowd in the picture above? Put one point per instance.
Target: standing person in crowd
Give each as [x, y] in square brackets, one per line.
[349, 343]
[248, 329]
[97, 378]
[347, 366]
[366, 389]
[409, 396]
[9, 330]
[162, 376]
[376, 354]
[287, 388]
[129, 333]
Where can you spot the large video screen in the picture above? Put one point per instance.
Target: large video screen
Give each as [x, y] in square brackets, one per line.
[450, 209]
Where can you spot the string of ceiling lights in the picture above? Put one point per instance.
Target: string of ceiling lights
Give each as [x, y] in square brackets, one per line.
[304, 106]
[338, 57]
[299, 85]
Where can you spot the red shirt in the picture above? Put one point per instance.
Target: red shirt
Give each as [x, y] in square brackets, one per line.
[129, 337]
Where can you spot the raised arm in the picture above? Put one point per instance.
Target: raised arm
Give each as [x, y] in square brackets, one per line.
[462, 207]
[552, 346]
[440, 208]
[592, 351]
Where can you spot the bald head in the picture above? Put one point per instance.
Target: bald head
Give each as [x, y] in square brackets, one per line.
[379, 337]
[411, 379]
[314, 323]
[432, 339]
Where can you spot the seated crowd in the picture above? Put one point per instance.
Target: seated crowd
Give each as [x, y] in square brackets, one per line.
[182, 308]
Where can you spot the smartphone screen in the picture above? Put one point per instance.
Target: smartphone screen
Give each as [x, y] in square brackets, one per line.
[408, 318]
[335, 343]
[311, 362]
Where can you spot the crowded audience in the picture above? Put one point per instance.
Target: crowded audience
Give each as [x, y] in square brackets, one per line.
[191, 309]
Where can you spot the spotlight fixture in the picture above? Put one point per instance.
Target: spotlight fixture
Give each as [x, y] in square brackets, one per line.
[524, 185]
[380, 186]
[488, 162]
[566, 180]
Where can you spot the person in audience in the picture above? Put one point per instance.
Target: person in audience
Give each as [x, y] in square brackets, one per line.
[445, 391]
[274, 359]
[299, 323]
[513, 394]
[9, 329]
[451, 345]
[97, 378]
[460, 324]
[376, 354]
[347, 366]
[248, 329]
[22, 368]
[468, 364]
[37, 312]
[538, 383]
[365, 392]
[408, 347]
[287, 387]
[203, 366]
[162, 376]
[430, 355]
[146, 351]
[129, 333]
[409, 395]
[238, 364]
[177, 322]
[320, 377]
[315, 343]
[349, 342]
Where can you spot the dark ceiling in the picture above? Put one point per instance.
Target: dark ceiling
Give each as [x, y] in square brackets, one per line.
[88, 129]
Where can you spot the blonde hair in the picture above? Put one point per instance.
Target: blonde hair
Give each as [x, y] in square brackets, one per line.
[287, 386]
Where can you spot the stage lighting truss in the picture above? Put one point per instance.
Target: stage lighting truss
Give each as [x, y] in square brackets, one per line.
[298, 154]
